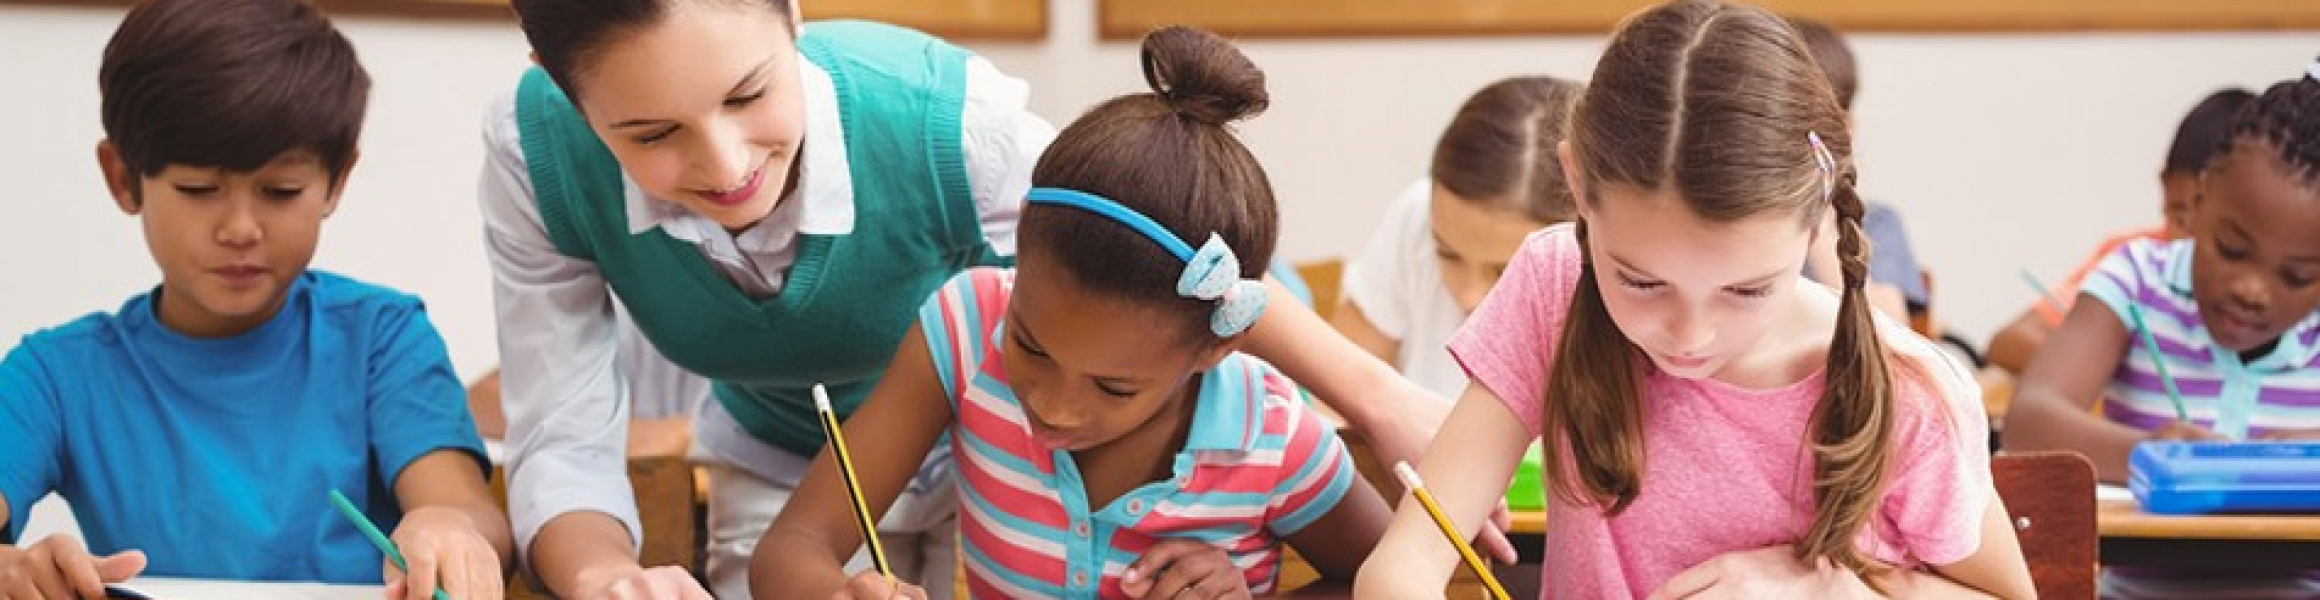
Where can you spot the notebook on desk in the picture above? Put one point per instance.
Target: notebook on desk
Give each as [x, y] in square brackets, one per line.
[2225, 477]
[168, 588]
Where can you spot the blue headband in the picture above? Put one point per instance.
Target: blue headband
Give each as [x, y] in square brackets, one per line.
[1211, 272]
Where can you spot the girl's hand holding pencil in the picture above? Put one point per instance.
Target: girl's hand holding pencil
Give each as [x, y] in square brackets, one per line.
[873, 585]
[2185, 431]
[879, 582]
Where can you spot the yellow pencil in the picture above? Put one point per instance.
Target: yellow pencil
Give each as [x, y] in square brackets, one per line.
[837, 438]
[1449, 531]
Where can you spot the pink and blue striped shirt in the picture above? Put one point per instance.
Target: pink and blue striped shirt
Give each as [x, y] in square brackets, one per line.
[2280, 390]
[1256, 467]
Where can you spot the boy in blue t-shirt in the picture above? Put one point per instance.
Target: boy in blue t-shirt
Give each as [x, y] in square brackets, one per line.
[202, 426]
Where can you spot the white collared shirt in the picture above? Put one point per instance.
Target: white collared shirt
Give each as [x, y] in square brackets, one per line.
[567, 418]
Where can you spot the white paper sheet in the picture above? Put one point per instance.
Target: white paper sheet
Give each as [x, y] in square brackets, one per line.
[165, 588]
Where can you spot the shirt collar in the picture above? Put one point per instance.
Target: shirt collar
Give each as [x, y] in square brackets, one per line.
[1232, 395]
[825, 190]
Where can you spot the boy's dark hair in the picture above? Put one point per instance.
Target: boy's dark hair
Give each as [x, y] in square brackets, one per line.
[1169, 155]
[2204, 130]
[1835, 57]
[230, 84]
[566, 34]
[2287, 115]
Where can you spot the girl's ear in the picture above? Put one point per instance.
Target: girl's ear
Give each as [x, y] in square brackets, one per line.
[1215, 353]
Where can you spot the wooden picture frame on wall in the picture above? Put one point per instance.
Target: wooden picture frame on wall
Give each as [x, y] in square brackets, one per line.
[998, 20]
[995, 20]
[1130, 19]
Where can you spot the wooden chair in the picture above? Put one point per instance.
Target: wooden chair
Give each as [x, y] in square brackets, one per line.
[1326, 278]
[2050, 497]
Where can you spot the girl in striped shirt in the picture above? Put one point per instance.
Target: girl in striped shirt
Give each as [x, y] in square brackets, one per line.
[1110, 441]
[2234, 311]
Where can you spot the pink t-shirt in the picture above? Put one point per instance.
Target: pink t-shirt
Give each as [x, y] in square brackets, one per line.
[1726, 467]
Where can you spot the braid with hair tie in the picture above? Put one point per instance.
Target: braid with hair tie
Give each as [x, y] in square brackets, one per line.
[1852, 245]
[1837, 190]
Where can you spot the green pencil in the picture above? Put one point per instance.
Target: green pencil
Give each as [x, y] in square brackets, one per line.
[2151, 345]
[2044, 294]
[371, 531]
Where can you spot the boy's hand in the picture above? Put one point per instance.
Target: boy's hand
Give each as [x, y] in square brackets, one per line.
[657, 583]
[443, 549]
[58, 568]
[1184, 569]
[2184, 431]
[1772, 572]
[872, 585]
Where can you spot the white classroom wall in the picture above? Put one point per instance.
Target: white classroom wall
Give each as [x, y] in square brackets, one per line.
[2004, 151]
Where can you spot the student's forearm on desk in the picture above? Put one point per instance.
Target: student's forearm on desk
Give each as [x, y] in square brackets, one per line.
[580, 553]
[2013, 346]
[2054, 400]
[2041, 420]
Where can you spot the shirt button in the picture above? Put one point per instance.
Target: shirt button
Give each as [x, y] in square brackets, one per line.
[1136, 506]
[1079, 579]
[1081, 530]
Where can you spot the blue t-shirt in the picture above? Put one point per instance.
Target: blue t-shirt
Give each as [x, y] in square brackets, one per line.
[216, 456]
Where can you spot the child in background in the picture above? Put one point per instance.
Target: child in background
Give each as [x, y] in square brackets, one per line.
[1896, 281]
[1714, 426]
[1445, 241]
[198, 431]
[2196, 140]
[1111, 442]
[2234, 308]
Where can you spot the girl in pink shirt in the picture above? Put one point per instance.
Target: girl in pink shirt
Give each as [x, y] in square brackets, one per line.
[1712, 428]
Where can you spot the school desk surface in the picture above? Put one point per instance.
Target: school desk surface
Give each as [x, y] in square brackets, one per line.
[2133, 537]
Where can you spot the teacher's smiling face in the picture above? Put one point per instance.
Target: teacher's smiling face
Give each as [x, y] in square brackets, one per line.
[702, 107]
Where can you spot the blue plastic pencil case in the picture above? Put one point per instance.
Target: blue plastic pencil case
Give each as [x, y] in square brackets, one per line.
[2225, 477]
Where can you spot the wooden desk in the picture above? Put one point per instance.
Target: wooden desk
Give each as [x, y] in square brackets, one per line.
[2131, 537]
[1529, 522]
